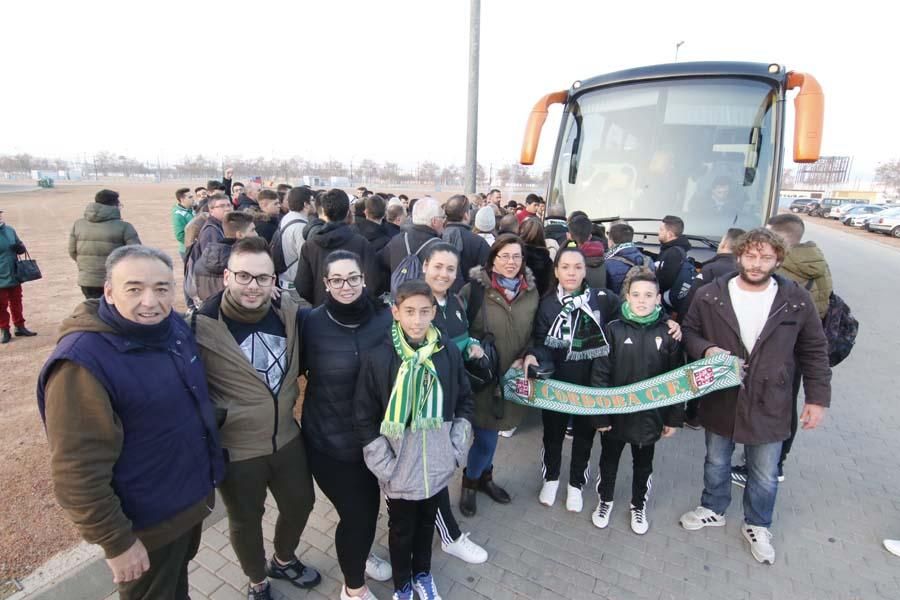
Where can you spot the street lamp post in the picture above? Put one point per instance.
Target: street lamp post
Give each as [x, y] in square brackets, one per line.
[472, 121]
[677, 46]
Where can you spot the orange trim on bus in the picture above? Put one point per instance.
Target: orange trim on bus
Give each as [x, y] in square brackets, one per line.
[809, 116]
[536, 123]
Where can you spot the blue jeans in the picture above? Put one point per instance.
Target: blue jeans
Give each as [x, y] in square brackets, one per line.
[481, 454]
[762, 478]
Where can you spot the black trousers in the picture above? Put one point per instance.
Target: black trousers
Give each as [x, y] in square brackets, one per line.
[167, 578]
[786, 446]
[445, 522]
[244, 491]
[92, 292]
[555, 424]
[642, 459]
[356, 497]
[410, 533]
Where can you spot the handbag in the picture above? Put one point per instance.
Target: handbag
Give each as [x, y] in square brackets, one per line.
[27, 269]
[484, 372]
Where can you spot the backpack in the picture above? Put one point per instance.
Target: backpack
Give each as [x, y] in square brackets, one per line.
[677, 298]
[840, 328]
[646, 261]
[276, 249]
[411, 265]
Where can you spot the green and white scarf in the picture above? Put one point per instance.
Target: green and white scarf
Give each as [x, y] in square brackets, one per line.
[577, 328]
[417, 397]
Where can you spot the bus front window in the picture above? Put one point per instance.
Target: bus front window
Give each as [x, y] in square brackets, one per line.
[702, 149]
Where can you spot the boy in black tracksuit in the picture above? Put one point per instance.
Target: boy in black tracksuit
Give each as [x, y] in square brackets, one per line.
[640, 348]
[415, 430]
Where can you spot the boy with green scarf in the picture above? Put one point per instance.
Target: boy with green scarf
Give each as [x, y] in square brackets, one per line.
[412, 411]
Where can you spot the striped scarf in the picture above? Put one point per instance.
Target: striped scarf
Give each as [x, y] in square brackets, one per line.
[576, 328]
[417, 397]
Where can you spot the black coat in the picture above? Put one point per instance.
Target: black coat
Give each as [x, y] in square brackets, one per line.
[537, 258]
[636, 355]
[556, 229]
[245, 202]
[717, 266]
[473, 251]
[375, 233]
[266, 227]
[670, 259]
[391, 229]
[604, 302]
[395, 250]
[330, 358]
[310, 282]
[314, 225]
[377, 377]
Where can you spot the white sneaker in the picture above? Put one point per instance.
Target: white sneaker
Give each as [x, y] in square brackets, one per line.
[600, 517]
[760, 539]
[701, 517]
[508, 433]
[892, 546]
[378, 569]
[466, 550]
[548, 493]
[574, 501]
[639, 523]
[367, 595]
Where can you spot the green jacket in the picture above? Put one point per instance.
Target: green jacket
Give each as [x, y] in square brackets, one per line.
[94, 237]
[180, 218]
[10, 247]
[806, 265]
[512, 326]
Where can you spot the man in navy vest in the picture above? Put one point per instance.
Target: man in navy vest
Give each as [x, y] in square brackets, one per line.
[134, 447]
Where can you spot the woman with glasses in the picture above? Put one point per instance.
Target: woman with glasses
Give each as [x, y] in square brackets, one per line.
[334, 337]
[504, 302]
[440, 263]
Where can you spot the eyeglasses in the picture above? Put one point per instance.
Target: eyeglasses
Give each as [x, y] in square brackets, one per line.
[509, 257]
[244, 278]
[338, 282]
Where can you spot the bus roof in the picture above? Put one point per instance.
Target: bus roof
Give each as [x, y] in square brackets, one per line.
[686, 69]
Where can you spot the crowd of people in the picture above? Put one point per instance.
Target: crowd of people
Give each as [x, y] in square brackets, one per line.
[402, 315]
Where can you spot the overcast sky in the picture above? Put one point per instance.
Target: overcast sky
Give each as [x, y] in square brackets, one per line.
[387, 80]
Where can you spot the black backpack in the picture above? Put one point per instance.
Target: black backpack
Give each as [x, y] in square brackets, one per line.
[840, 327]
[677, 298]
[276, 249]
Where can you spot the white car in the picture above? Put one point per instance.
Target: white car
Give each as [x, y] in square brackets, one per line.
[888, 224]
[862, 219]
[838, 211]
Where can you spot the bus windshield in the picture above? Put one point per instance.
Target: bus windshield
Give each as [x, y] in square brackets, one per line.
[701, 149]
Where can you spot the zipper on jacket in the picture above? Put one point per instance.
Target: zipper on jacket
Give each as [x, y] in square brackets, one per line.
[275, 432]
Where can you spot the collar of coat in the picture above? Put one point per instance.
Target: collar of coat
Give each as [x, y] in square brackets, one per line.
[481, 276]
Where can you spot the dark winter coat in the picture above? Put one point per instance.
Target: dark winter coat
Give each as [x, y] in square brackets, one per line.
[209, 270]
[638, 352]
[619, 261]
[211, 233]
[395, 250]
[512, 325]
[331, 356]
[310, 282]
[472, 248]
[391, 229]
[671, 255]
[595, 264]
[556, 229]
[314, 225]
[719, 265]
[93, 239]
[759, 412]
[806, 265]
[603, 303]
[245, 202]
[375, 233]
[10, 247]
[537, 258]
[266, 226]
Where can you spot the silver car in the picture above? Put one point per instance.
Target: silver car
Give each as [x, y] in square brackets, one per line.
[887, 222]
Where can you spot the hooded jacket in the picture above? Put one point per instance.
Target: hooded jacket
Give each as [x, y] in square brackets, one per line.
[511, 325]
[806, 265]
[671, 255]
[621, 259]
[638, 352]
[254, 422]
[94, 237]
[759, 412]
[310, 281]
[375, 233]
[419, 464]
[314, 225]
[145, 455]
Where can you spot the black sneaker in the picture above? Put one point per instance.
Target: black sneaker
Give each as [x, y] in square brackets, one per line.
[295, 571]
[259, 593]
[739, 475]
[570, 432]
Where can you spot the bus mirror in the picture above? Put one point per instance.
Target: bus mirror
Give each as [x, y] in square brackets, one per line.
[536, 123]
[809, 113]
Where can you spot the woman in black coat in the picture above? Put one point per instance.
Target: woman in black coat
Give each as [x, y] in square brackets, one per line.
[537, 255]
[334, 337]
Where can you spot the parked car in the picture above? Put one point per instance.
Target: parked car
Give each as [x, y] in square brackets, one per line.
[838, 212]
[801, 205]
[862, 220]
[865, 209]
[824, 206]
[887, 222]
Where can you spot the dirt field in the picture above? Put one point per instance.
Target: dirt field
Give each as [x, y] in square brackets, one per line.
[835, 224]
[32, 527]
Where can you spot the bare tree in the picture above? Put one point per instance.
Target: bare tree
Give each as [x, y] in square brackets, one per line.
[888, 174]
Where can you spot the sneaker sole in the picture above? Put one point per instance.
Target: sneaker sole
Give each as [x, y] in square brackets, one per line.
[720, 523]
[760, 559]
[738, 483]
[574, 509]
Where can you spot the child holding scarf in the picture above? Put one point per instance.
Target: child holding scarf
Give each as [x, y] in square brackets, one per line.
[413, 406]
[640, 347]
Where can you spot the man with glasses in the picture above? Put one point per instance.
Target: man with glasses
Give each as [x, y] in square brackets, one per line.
[249, 346]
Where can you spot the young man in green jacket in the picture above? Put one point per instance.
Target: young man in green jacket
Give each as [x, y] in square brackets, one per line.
[182, 213]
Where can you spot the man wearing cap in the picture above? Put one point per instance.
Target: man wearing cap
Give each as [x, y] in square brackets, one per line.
[95, 236]
[10, 288]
